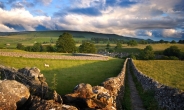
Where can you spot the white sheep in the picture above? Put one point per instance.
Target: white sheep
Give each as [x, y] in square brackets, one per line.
[46, 65]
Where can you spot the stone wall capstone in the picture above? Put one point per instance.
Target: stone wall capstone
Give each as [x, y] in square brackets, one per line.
[168, 98]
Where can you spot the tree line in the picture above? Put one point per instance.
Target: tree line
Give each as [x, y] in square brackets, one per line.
[65, 44]
[171, 53]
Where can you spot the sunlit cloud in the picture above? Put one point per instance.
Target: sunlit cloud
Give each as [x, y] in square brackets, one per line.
[133, 18]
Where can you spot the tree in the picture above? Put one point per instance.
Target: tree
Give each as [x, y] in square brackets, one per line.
[87, 47]
[143, 42]
[132, 43]
[37, 47]
[65, 43]
[118, 47]
[181, 41]
[20, 46]
[108, 46]
[147, 53]
[29, 48]
[50, 48]
[172, 51]
[173, 42]
[161, 41]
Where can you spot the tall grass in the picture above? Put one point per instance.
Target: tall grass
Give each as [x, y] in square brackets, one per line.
[69, 72]
[168, 72]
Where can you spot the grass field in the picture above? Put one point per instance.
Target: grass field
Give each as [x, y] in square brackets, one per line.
[168, 72]
[136, 49]
[69, 73]
[29, 38]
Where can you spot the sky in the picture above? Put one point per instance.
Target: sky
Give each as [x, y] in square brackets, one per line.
[147, 19]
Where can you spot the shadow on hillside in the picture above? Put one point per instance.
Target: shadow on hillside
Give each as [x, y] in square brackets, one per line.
[93, 73]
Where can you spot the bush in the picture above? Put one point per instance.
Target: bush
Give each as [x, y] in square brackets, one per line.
[132, 43]
[87, 47]
[147, 53]
[20, 46]
[172, 51]
[132, 56]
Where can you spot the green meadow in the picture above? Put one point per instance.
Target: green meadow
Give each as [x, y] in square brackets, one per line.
[136, 49]
[69, 73]
[168, 72]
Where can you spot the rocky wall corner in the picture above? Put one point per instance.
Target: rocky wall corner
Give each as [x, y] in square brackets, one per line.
[168, 98]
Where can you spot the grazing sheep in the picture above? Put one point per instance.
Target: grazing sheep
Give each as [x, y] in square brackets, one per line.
[46, 65]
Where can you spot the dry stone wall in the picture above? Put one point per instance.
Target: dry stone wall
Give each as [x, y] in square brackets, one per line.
[168, 98]
[107, 96]
[47, 56]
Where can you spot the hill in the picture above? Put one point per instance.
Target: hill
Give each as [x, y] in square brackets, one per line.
[76, 34]
[31, 37]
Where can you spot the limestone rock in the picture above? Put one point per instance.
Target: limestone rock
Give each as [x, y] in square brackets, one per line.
[36, 103]
[94, 97]
[34, 73]
[68, 107]
[12, 94]
[112, 84]
[31, 72]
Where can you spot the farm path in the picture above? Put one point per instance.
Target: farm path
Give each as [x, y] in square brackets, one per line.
[136, 101]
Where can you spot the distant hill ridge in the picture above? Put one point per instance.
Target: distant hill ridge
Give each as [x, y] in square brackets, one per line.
[76, 34]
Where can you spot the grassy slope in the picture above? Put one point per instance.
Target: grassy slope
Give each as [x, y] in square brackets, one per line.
[69, 72]
[168, 72]
[28, 38]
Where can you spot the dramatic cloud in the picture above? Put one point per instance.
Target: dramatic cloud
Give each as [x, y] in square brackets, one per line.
[171, 33]
[133, 18]
[6, 28]
[20, 18]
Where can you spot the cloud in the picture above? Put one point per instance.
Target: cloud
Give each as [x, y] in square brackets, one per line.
[126, 3]
[171, 33]
[5, 28]
[28, 4]
[45, 2]
[87, 11]
[139, 15]
[123, 17]
[22, 4]
[17, 5]
[87, 3]
[148, 33]
[20, 18]
[39, 12]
